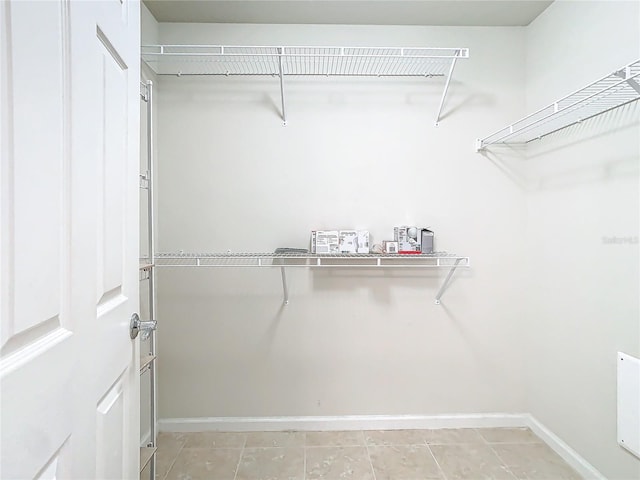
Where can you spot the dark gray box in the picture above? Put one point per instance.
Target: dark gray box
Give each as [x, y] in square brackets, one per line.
[426, 241]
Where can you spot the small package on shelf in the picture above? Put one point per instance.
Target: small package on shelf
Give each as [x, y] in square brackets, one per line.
[390, 246]
[325, 241]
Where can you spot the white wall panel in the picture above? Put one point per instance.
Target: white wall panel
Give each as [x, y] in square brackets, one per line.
[582, 287]
[355, 153]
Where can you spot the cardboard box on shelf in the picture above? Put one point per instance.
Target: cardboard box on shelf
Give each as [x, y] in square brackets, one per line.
[407, 238]
[325, 241]
[363, 241]
[426, 240]
[413, 239]
[348, 241]
[340, 241]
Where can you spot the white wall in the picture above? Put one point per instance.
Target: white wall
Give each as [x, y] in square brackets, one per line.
[356, 153]
[582, 292]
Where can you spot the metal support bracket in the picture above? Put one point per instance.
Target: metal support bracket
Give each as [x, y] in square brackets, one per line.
[284, 114]
[144, 92]
[446, 281]
[285, 289]
[446, 87]
[625, 74]
[144, 180]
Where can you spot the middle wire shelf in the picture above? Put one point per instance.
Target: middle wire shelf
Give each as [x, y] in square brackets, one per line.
[440, 259]
[307, 260]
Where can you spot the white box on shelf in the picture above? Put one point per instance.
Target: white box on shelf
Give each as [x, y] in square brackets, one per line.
[363, 241]
[348, 241]
[325, 241]
[407, 238]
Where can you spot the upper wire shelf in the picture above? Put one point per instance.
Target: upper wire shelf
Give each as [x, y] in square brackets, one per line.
[440, 259]
[612, 91]
[283, 61]
[265, 60]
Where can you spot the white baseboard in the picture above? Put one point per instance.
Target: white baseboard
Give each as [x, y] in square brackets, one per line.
[343, 422]
[573, 458]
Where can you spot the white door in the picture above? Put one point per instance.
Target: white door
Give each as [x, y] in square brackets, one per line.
[69, 119]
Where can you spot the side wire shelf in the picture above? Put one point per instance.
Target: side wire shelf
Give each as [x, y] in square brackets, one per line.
[286, 61]
[609, 92]
[302, 260]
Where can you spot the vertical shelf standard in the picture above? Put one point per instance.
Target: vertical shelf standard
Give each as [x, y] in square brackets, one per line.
[147, 273]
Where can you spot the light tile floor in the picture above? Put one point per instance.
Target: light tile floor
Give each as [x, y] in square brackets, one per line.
[446, 454]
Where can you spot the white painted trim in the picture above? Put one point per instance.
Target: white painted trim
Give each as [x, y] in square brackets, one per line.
[343, 422]
[573, 458]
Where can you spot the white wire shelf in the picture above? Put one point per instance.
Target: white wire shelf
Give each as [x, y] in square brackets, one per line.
[354, 260]
[612, 91]
[283, 61]
[306, 260]
[328, 61]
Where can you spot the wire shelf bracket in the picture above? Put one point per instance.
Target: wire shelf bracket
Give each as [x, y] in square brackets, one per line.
[612, 91]
[306, 260]
[282, 61]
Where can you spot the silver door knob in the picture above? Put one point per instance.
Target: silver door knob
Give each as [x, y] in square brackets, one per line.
[136, 326]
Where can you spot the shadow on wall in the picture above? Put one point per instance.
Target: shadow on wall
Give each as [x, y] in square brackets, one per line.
[575, 155]
[427, 282]
[318, 91]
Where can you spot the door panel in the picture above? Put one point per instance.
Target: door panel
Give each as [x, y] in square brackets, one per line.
[36, 429]
[41, 230]
[35, 292]
[39, 236]
[68, 238]
[110, 420]
[116, 282]
[113, 108]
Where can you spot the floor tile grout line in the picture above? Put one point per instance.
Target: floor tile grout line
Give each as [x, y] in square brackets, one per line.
[164, 477]
[304, 457]
[484, 440]
[502, 461]
[366, 446]
[235, 475]
[437, 463]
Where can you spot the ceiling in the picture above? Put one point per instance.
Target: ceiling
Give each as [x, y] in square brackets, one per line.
[351, 12]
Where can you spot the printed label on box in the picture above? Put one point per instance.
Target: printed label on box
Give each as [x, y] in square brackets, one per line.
[408, 238]
[326, 241]
[363, 241]
[348, 241]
